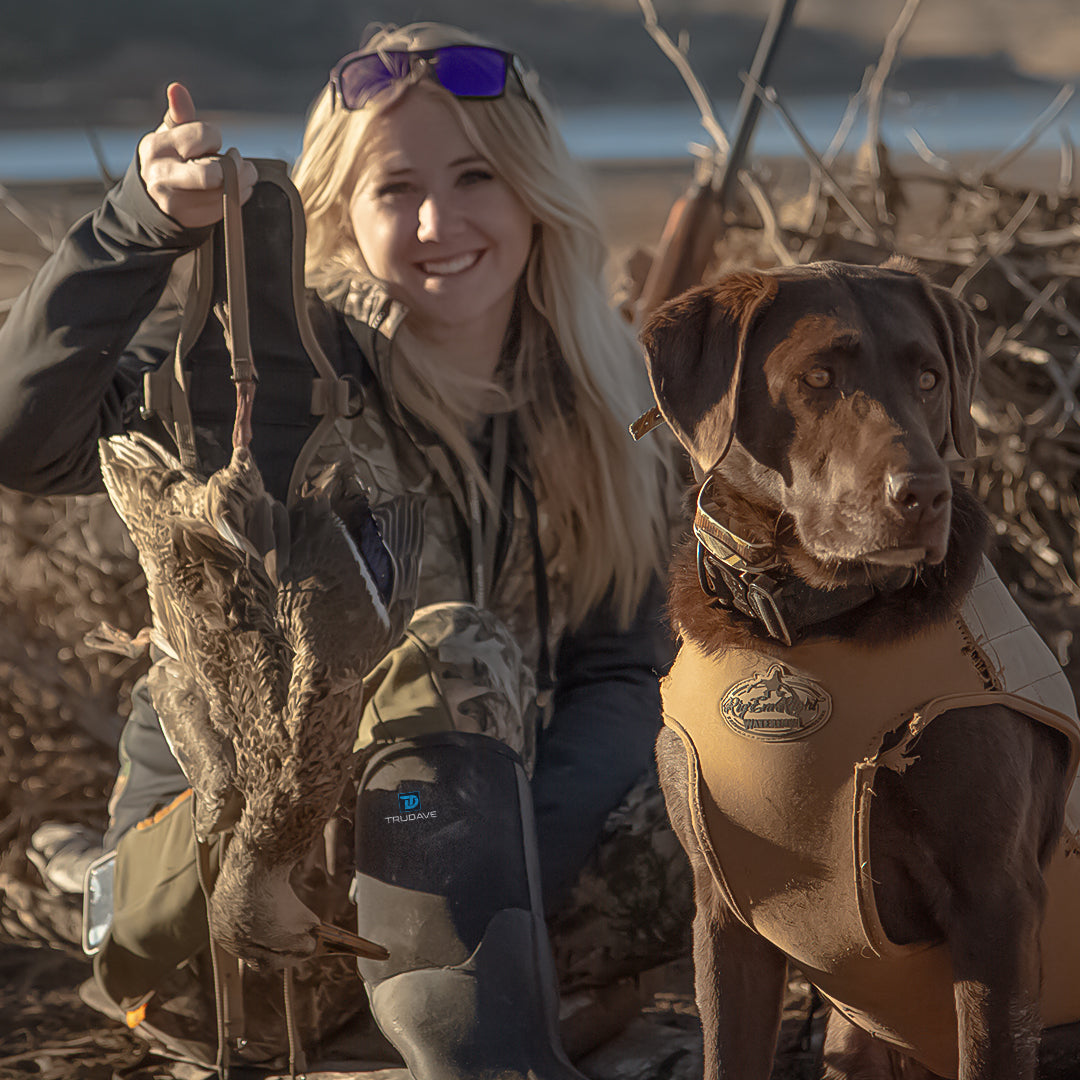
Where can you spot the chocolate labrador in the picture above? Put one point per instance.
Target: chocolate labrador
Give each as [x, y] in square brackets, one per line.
[867, 750]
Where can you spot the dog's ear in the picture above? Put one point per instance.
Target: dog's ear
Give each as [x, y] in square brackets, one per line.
[694, 345]
[962, 354]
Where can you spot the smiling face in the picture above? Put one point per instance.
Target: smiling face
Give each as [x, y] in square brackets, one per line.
[433, 221]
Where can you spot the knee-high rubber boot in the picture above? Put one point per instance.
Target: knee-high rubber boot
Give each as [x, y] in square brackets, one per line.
[447, 879]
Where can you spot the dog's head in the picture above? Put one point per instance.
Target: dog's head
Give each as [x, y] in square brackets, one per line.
[833, 393]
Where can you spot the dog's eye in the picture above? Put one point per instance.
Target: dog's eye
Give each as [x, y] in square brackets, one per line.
[928, 380]
[818, 379]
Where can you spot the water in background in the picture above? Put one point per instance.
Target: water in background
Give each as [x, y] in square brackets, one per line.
[950, 122]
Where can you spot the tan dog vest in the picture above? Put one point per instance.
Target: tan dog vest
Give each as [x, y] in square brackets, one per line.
[782, 750]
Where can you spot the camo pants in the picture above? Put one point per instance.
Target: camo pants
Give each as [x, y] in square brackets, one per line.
[631, 906]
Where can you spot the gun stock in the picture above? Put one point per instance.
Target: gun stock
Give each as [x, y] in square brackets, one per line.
[685, 248]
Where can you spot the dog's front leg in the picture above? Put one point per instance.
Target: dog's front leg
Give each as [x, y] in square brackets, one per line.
[995, 947]
[739, 983]
[997, 893]
[738, 976]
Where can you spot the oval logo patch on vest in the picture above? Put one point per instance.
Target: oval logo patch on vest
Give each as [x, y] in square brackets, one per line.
[777, 706]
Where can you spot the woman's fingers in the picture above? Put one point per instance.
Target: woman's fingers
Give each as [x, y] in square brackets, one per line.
[191, 191]
[185, 188]
[188, 191]
[248, 174]
[173, 167]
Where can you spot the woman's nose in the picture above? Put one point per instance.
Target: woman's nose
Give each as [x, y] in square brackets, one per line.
[436, 220]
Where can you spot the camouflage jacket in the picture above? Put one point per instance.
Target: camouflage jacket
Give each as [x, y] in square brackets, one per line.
[394, 454]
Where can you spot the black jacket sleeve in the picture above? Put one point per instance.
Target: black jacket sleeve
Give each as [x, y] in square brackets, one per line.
[70, 358]
[601, 736]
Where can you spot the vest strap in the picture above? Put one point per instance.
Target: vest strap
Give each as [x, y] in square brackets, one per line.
[167, 391]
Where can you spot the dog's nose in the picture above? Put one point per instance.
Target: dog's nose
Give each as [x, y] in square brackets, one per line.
[917, 495]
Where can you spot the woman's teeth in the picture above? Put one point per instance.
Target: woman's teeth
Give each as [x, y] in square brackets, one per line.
[451, 266]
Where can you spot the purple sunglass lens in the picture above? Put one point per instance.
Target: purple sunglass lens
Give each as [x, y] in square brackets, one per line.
[361, 79]
[471, 71]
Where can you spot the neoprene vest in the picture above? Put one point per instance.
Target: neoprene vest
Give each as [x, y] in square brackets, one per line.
[782, 755]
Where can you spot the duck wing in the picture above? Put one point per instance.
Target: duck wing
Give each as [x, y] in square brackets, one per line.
[359, 564]
[400, 523]
[387, 538]
[342, 604]
[206, 756]
[147, 486]
[210, 551]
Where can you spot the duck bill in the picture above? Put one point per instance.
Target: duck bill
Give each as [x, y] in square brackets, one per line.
[333, 939]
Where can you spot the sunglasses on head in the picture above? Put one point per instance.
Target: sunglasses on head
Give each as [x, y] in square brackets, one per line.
[467, 71]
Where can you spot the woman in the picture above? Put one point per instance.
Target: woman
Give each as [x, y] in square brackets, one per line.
[452, 242]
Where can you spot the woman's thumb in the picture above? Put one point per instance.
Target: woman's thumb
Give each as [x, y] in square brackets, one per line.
[181, 108]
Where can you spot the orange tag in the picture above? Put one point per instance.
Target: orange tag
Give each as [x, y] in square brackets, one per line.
[165, 810]
[134, 1017]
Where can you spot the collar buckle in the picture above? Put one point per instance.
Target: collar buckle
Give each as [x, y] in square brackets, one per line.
[761, 596]
[753, 592]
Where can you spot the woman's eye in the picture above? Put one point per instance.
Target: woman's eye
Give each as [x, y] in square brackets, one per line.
[928, 380]
[475, 176]
[818, 379]
[391, 188]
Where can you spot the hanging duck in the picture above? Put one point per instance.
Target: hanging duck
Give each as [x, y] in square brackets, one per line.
[269, 620]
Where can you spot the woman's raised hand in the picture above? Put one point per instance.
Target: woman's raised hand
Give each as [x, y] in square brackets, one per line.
[176, 166]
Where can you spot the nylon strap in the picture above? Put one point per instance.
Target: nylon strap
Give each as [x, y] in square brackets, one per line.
[166, 390]
[235, 319]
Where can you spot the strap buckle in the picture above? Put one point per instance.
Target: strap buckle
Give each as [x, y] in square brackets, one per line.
[753, 593]
[711, 584]
[243, 370]
[761, 590]
[339, 398]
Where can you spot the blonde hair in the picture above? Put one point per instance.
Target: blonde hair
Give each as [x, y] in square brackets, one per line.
[577, 377]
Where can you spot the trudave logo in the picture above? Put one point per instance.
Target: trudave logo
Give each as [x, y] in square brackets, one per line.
[410, 808]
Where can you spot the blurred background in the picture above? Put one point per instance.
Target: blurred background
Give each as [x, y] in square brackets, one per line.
[66, 65]
[69, 61]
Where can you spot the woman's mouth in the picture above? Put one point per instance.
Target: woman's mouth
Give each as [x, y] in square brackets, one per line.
[447, 267]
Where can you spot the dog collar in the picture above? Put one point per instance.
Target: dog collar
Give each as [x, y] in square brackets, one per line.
[740, 574]
[648, 420]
